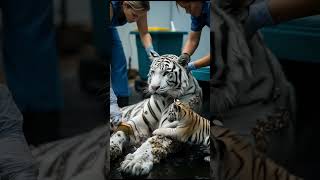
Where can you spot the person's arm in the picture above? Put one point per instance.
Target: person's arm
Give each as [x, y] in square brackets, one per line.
[145, 37]
[110, 11]
[189, 48]
[284, 10]
[202, 62]
[192, 42]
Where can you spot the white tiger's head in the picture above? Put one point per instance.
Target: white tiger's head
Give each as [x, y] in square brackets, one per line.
[166, 77]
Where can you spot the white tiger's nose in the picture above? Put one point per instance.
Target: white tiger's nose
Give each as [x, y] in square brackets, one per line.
[155, 87]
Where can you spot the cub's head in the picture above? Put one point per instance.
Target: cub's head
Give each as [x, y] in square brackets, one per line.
[177, 109]
[166, 77]
[175, 112]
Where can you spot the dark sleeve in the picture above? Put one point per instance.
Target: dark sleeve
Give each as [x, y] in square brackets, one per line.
[16, 161]
[196, 23]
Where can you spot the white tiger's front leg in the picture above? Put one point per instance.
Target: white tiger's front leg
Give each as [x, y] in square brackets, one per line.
[117, 141]
[150, 152]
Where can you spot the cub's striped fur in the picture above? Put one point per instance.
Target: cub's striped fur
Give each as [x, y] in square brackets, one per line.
[181, 123]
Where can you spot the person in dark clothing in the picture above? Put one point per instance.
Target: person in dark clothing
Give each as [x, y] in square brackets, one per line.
[30, 63]
[121, 13]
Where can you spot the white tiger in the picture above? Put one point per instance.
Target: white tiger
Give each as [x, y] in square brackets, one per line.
[167, 80]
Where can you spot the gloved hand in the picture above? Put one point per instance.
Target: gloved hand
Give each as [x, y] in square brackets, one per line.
[115, 113]
[151, 53]
[259, 16]
[184, 59]
[191, 66]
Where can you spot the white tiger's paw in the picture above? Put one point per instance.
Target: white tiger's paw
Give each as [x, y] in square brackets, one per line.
[115, 152]
[116, 143]
[138, 164]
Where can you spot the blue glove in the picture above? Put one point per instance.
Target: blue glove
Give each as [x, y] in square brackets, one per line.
[115, 113]
[151, 53]
[191, 66]
[259, 16]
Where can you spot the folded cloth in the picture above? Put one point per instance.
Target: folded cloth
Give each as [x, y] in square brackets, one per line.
[16, 161]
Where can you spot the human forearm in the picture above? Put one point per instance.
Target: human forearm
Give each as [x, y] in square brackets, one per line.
[190, 47]
[192, 42]
[202, 62]
[146, 39]
[147, 42]
[145, 36]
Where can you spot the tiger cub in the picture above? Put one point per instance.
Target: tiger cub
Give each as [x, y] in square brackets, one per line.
[180, 122]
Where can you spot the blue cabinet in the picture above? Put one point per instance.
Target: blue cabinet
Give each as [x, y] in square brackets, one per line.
[295, 40]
